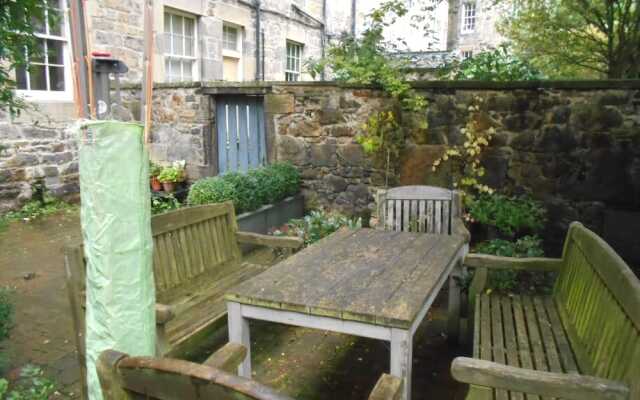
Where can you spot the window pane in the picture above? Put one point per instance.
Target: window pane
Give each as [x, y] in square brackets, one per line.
[37, 77]
[56, 21]
[187, 70]
[177, 45]
[55, 52]
[21, 78]
[167, 23]
[188, 51]
[177, 24]
[176, 70]
[188, 27]
[38, 25]
[56, 77]
[38, 52]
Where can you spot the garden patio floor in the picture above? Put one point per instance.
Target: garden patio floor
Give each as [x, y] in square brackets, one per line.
[303, 363]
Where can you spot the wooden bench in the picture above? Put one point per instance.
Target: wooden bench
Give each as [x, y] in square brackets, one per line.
[196, 258]
[580, 343]
[128, 378]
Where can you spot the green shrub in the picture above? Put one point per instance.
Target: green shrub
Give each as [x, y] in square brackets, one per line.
[248, 191]
[161, 205]
[6, 313]
[316, 225]
[510, 215]
[506, 281]
[32, 385]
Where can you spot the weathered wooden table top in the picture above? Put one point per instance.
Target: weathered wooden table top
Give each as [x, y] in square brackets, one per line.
[367, 275]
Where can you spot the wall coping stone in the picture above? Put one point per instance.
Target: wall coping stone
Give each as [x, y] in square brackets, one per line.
[263, 87]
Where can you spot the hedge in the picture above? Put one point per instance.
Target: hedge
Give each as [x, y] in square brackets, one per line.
[248, 191]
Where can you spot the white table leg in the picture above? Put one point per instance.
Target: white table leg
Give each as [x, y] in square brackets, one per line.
[402, 358]
[239, 333]
[453, 323]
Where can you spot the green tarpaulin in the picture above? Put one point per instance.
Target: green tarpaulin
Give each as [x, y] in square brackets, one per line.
[115, 215]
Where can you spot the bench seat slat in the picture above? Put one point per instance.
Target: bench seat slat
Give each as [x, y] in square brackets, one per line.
[523, 331]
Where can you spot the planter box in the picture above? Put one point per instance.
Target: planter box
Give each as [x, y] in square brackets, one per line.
[271, 216]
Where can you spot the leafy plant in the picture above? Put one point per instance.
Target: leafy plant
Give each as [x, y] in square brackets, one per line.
[35, 209]
[506, 281]
[6, 313]
[468, 171]
[316, 225]
[499, 65]
[32, 385]
[171, 174]
[161, 205]
[154, 169]
[19, 44]
[367, 60]
[509, 215]
[247, 191]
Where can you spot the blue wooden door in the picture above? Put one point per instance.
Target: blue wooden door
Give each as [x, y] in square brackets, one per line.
[240, 128]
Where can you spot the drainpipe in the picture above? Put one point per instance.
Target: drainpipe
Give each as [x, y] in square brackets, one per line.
[258, 40]
[323, 35]
[353, 18]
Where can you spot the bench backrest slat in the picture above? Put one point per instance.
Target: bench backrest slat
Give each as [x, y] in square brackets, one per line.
[427, 209]
[193, 241]
[598, 298]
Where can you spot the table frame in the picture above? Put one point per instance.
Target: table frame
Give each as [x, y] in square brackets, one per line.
[401, 340]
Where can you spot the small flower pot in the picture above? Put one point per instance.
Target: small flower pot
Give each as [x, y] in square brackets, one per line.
[156, 186]
[169, 187]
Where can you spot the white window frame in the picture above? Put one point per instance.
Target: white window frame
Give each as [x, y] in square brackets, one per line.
[296, 74]
[195, 70]
[65, 95]
[469, 17]
[467, 54]
[237, 53]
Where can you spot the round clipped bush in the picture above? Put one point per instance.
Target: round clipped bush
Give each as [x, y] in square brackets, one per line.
[211, 190]
[248, 191]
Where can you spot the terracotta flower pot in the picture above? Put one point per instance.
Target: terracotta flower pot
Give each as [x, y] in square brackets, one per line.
[169, 187]
[156, 186]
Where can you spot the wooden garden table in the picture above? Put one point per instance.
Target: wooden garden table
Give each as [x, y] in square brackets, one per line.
[365, 282]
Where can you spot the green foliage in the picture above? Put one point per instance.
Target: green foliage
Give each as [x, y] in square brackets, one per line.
[498, 65]
[6, 313]
[577, 39]
[33, 385]
[248, 191]
[171, 174]
[526, 246]
[366, 60]
[18, 44]
[35, 209]
[381, 132]
[161, 205]
[154, 169]
[507, 281]
[316, 225]
[509, 215]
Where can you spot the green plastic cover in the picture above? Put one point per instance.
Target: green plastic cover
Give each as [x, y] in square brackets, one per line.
[116, 228]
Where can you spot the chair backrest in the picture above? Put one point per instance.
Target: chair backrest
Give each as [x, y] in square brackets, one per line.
[128, 378]
[427, 209]
[188, 243]
[598, 299]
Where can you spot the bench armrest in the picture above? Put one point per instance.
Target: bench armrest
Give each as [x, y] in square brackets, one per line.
[458, 228]
[164, 314]
[388, 387]
[271, 241]
[497, 262]
[228, 358]
[549, 384]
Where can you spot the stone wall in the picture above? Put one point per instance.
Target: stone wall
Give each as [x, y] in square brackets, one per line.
[575, 146]
[37, 146]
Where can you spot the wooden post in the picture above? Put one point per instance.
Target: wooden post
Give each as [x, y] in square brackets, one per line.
[402, 358]
[453, 323]
[147, 75]
[79, 53]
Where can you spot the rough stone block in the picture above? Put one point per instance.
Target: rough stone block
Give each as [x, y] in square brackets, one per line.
[351, 154]
[279, 103]
[291, 149]
[323, 155]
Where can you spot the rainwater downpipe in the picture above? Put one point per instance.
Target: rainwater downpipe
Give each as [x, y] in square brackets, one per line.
[323, 35]
[258, 40]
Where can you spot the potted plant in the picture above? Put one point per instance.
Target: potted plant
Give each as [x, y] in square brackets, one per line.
[154, 171]
[169, 176]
